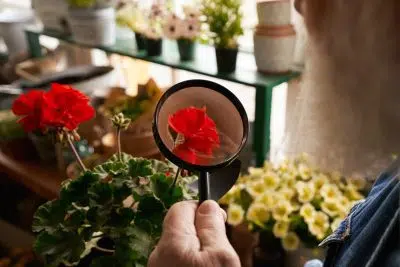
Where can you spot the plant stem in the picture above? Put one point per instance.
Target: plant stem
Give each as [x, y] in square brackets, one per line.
[175, 179]
[119, 143]
[78, 158]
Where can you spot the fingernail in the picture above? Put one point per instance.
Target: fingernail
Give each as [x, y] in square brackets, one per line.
[208, 207]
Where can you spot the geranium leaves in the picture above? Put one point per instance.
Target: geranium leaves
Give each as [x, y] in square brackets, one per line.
[94, 206]
[59, 247]
[49, 216]
[140, 167]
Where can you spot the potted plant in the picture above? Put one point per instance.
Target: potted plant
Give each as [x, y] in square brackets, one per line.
[92, 22]
[185, 31]
[224, 20]
[110, 215]
[52, 13]
[153, 33]
[138, 139]
[294, 205]
[131, 16]
[14, 142]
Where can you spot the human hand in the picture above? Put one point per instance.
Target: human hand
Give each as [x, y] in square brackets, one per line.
[194, 237]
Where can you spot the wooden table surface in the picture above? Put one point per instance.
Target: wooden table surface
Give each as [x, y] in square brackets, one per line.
[42, 179]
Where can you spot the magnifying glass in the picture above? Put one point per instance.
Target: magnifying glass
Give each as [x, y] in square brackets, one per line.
[202, 127]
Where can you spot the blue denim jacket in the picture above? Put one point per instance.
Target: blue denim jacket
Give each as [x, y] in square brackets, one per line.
[369, 236]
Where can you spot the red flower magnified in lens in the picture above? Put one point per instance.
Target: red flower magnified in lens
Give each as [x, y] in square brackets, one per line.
[65, 107]
[197, 133]
[29, 107]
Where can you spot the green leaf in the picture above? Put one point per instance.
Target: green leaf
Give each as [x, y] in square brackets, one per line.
[74, 219]
[59, 247]
[77, 190]
[150, 215]
[161, 186]
[49, 216]
[112, 168]
[98, 216]
[140, 167]
[120, 192]
[100, 194]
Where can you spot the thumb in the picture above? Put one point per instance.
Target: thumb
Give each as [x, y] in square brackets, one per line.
[210, 225]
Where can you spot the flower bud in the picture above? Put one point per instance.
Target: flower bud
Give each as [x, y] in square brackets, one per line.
[120, 121]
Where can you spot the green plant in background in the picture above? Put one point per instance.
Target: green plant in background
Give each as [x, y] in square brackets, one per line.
[117, 208]
[9, 128]
[224, 20]
[91, 3]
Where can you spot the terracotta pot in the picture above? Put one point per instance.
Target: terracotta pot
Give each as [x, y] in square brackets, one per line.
[274, 47]
[269, 251]
[274, 12]
[244, 242]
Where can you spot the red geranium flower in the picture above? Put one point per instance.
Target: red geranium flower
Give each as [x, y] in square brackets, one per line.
[199, 133]
[65, 107]
[29, 107]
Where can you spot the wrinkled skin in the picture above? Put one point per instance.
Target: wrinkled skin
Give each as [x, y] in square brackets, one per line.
[194, 237]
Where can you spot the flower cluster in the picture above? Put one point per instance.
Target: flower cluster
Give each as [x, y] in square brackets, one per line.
[183, 28]
[61, 108]
[197, 134]
[290, 197]
[155, 22]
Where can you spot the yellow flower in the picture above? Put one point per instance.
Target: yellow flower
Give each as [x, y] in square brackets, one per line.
[330, 191]
[282, 210]
[256, 188]
[290, 242]
[306, 191]
[336, 176]
[271, 181]
[352, 193]
[228, 197]
[319, 225]
[280, 229]
[319, 181]
[331, 207]
[287, 193]
[268, 199]
[289, 183]
[268, 166]
[235, 214]
[257, 213]
[256, 172]
[307, 211]
[335, 224]
[304, 172]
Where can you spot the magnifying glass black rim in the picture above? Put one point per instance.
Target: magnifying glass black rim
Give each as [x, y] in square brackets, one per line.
[209, 85]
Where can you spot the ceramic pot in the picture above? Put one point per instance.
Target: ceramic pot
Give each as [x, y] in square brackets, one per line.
[274, 12]
[273, 48]
[226, 59]
[45, 147]
[12, 26]
[140, 41]
[186, 49]
[154, 47]
[52, 13]
[95, 27]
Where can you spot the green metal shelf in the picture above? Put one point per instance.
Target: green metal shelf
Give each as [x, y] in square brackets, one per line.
[204, 64]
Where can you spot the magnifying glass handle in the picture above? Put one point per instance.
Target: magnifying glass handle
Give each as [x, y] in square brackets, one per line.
[204, 187]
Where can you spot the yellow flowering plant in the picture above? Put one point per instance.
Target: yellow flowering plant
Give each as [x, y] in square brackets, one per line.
[293, 200]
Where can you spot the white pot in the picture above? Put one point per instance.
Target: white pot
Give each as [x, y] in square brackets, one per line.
[274, 12]
[273, 49]
[52, 13]
[12, 25]
[95, 27]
